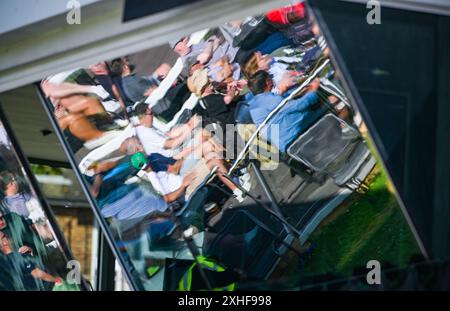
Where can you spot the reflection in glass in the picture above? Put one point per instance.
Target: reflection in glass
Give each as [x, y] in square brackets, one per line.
[216, 161]
[31, 258]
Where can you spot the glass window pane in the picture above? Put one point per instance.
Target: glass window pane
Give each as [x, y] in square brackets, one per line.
[235, 149]
[32, 256]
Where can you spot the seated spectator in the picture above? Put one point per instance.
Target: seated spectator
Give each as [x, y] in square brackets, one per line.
[61, 90]
[287, 14]
[219, 106]
[293, 21]
[164, 174]
[15, 200]
[102, 76]
[170, 143]
[277, 67]
[206, 53]
[134, 88]
[200, 84]
[294, 118]
[27, 270]
[224, 71]
[23, 203]
[22, 235]
[169, 185]
[82, 116]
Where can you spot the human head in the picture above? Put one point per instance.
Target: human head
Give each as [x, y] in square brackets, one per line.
[121, 67]
[5, 243]
[144, 113]
[260, 82]
[181, 46]
[250, 66]
[131, 145]
[221, 71]
[3, 223]
[193, 65]
[198, 82]
[256, 61]
[264, 61]
[9, 184]
[99, 68]
[162, 71]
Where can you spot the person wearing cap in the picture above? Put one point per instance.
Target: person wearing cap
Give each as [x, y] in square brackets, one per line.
[165, 169]
[201, 85]
[172, 187]
[220, 107]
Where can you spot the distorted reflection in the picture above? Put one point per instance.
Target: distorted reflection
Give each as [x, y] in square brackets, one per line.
[31, 258]
[222, 150]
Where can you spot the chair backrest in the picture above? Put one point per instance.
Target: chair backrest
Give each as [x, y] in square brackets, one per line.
[324, 142]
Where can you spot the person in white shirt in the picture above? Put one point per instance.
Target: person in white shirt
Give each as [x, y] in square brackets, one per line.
[168, 144]
[170, 186]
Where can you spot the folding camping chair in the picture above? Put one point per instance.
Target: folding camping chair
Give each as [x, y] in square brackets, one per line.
[333, 147]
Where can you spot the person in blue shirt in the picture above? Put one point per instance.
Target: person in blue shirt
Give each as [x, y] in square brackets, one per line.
[293, 119]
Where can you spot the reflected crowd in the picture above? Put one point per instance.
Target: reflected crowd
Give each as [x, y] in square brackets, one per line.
[31, 258]
[167, 155]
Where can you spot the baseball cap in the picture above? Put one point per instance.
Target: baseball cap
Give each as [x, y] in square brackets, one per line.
[138, 160]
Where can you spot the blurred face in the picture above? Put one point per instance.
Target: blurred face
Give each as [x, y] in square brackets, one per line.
[182, 47]
[12, 187]
[162, 71]
[130, 146]
[3, 223]
[225, 72]
[264, 61]
[98, 68]
[5, 244]
[147, 118]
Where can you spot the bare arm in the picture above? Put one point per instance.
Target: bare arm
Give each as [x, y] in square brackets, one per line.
[211, 45]
[64, 89]
[179, 134]
[170, 197]
[39, 274]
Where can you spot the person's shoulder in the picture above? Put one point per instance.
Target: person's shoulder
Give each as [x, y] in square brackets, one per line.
[212, 96]
[146, 130]
[169, 177]
[267, 96]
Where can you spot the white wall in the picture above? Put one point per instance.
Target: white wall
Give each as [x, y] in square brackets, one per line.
[15, 14]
